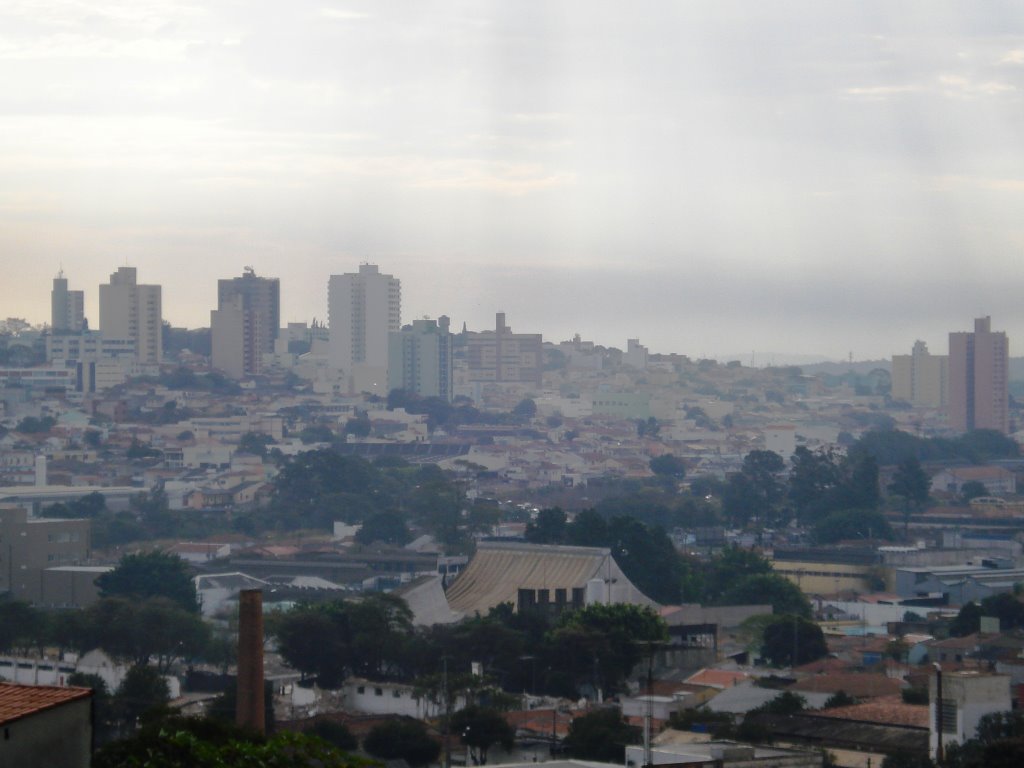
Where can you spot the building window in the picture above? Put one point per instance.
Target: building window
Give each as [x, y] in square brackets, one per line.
[378, 691]
[948, 716]
[361, 689]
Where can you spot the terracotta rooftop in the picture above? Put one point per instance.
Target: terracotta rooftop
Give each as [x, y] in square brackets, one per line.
[17, 701]
[718, 678]
[858, 685]
[889, 710]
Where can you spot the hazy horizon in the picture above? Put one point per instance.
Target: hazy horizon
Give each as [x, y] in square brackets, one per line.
[789, 179]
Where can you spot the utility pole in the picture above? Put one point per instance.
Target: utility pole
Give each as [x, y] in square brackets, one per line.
[938, 714]
[447, 714]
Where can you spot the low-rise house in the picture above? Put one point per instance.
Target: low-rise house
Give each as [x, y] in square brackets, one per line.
[45, 726]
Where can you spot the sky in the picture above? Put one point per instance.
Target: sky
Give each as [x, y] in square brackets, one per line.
[714, 178]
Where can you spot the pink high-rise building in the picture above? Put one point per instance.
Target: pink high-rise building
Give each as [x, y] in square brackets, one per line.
[979, 378]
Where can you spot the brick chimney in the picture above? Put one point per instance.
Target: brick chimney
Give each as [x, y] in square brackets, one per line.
[249, 706]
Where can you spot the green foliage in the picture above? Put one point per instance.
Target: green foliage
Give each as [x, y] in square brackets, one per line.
[31, 425]
[334, 733]
[973, 489]
[402, 739]
[601, 735]
[668, 465]
[525, 409]
[852, 524]
[786, 703]
[255, 443]
[136, 630]
[785, 596]
[21, 626]
[480, 729]
[605, 641]
[177, 742]
[820, 483]
[728, 568]
[151, 574]
[385, 527]
[548, 528]
[890, 447]
[756, 490]
[779, 644]
[839, 699]
[998, 743]
[142, 691]
[332, 640]
[1005, 606]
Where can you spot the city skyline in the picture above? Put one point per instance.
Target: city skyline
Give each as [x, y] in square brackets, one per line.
[715, 179]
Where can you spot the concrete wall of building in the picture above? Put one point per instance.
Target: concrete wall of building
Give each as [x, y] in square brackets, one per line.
[60, 737]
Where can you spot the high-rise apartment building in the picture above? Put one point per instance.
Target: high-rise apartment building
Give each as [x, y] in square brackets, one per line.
[363, 309]
[245, 324]
[503, 356]
[979, 378]
[921, 378]
[420, 359]
[67, 308]
[132, 312]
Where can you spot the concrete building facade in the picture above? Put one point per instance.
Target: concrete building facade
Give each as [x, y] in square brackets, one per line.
[364, 308]
[245, 324]
[133, 312]
[979, 378]
[420, 359]
[29, 545]
[967, 696]
[67, 308]
[502, 356]
[921, 378]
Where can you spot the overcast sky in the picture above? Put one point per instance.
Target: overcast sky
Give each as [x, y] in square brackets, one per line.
[711, 177]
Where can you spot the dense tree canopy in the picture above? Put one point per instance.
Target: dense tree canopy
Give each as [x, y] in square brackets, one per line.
[402, 739]
[151, 574]
[601, 735]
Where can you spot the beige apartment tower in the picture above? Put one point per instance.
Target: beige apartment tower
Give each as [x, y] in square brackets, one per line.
[920, 378]
[133, 313]
[501, 356]
[979, 378]
[245, 324]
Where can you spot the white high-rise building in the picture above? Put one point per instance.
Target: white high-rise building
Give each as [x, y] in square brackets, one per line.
[132, 312]
[363, 308]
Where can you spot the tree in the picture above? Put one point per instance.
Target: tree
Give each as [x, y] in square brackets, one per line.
[151, 574]
[387, 527]
[789, 634]
[604, 640]
[852, 524]
[548, 528]
[525, 409]
[136, 631]
[973, 489]
[669, 466]
[967, 621]
[786, 703]
[785, 596]
[839, 699]
[601, 735]
[402, 739]
[255, 443]
[911, 483]
[728, 568]
[334, 733]
[142, 690]
[481, 728]
[21, 626]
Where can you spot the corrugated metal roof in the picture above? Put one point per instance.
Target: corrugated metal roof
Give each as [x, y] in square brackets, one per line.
[499, 569]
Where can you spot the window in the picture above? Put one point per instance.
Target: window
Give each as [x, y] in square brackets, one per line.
[361, 689]
[948, 716]
[378, 691]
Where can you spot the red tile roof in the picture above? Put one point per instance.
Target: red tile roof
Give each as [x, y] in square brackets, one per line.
[17, 701]
[890, 710]
[857, 684]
